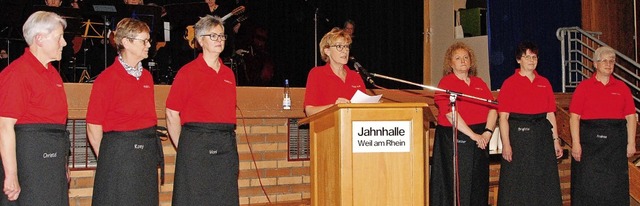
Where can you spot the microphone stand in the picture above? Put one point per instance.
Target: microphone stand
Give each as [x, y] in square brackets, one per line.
[316, 15]
[8, 39]
[315, 37]
[453, 96]
[8, 51]
[107, 24]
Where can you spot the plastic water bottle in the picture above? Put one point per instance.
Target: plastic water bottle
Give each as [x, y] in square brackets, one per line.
[286, 100]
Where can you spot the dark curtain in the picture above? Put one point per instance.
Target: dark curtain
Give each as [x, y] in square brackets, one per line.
[12, 16]
[388, 35]
[513, 21]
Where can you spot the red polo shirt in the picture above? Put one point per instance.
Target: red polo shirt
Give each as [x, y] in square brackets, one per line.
[471, 110]
[120, 102]
[594, 100]
[201, 94]
[519, 95]
[324, 87]
[32, 93]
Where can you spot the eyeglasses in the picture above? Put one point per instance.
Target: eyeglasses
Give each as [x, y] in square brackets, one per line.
[342, 47]
[530, 58]
[607, 61]
[146, 41]
[216, 37]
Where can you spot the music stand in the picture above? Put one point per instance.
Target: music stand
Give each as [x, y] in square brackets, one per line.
[104, 9]
[151, 15]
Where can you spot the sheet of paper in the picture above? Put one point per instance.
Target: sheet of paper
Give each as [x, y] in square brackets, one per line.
[360, 97]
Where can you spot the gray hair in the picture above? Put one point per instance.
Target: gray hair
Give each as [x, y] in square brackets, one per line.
[602, 52]
[207, 22]
[41, 22]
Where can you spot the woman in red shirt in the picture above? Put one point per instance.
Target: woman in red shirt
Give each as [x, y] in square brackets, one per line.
[334, 82]
[476, 121]
[121, 120]
[603, 131]
[201, 118]
[530, 144]
[34, 144]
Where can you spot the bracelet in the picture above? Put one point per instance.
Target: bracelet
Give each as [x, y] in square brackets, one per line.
[488, 130]
[555, 138]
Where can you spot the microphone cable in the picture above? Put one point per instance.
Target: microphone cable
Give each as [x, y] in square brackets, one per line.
[253, 158]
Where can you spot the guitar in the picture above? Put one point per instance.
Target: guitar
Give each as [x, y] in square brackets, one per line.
[235, 11]
[190, 32]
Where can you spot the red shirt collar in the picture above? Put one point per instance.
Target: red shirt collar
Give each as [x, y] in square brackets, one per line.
[34, 63]
[612, 80]
[535, 73]
[203, 65]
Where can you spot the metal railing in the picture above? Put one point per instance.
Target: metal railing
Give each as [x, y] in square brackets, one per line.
[577, 49]
[81, 157]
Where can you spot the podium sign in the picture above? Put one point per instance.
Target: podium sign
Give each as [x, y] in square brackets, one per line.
[381, 136]
[368, 154]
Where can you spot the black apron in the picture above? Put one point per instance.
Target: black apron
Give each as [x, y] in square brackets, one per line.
[127, 172]
[207, 165]
[531, 178]
[473, 169]
[41, 152]
[602, 175]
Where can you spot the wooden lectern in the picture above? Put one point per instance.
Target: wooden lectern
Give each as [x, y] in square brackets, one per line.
[368, 154]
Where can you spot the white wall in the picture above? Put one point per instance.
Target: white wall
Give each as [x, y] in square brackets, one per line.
[441, 14]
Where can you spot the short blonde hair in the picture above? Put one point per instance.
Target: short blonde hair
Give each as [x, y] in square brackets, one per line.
[41, 22]
[330, 38]
[129, 28]
[446, 66]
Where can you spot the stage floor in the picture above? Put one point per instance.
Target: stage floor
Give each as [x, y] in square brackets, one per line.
[304, 202]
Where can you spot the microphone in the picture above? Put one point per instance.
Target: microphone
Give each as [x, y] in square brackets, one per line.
[362, 70]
